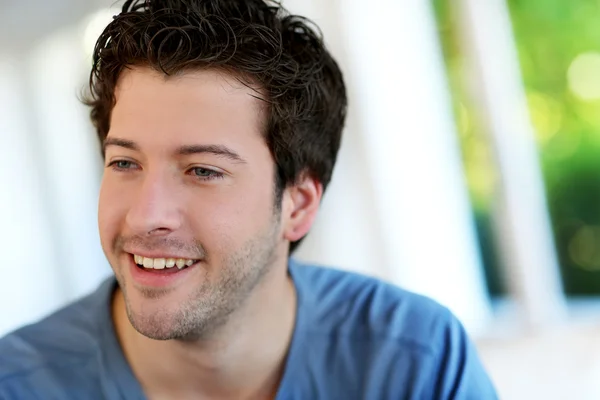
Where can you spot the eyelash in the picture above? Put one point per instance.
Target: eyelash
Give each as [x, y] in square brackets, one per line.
[114, 165]
[212, 174]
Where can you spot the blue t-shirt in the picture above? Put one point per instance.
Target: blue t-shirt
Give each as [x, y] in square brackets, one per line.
[355, 338]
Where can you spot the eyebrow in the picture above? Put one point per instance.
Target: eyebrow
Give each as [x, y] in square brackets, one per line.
[128, 144]
[216, 149]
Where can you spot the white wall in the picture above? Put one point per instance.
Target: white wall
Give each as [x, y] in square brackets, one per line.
[31, 283]
[399, 208]
[49, 179]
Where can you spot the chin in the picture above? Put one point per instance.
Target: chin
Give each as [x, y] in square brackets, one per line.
[157, 324]
[170, 317]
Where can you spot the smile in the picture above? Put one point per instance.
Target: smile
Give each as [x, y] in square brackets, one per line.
[162, 263]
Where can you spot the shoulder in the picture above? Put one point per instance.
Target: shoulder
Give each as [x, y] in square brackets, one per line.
[359, 305]
[55, 347]
[399, 338]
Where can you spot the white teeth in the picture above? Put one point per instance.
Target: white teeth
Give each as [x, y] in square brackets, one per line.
[148, 262]
[159, 263]
[162, 263]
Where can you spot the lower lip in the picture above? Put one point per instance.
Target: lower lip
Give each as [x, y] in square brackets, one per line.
[160, 277]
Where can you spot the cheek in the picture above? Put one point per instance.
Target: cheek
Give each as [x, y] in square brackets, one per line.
[111, 211]
[216, 221]
[232, 217]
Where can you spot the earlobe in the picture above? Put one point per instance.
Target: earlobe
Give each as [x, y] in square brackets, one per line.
[303, 200]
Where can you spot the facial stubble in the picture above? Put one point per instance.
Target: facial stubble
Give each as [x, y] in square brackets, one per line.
[212, 303]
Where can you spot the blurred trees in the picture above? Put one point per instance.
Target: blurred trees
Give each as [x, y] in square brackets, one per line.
[558, 44]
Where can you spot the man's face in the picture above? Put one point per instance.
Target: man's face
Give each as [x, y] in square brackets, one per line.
[188, 179]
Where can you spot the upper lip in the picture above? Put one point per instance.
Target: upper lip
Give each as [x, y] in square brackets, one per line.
[148, 254]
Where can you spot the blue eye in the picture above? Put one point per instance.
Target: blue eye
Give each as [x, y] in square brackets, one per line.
[205, 173]
[122, 165]
[202, 172]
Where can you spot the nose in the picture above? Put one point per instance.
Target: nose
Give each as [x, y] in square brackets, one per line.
[155, 210]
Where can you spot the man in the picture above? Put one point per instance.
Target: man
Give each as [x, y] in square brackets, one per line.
[220, 122]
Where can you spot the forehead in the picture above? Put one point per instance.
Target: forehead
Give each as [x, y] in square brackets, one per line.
[201, 106]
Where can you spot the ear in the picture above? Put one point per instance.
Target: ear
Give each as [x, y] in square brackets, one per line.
[300, 206]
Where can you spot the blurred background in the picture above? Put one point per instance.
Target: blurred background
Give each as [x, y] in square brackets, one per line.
[469, 170]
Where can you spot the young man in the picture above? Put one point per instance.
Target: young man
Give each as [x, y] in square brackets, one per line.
[220, 122]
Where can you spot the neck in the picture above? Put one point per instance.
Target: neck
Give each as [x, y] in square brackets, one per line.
[244, 359]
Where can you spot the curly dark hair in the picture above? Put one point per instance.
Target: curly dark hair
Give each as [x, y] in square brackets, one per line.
[259, 42]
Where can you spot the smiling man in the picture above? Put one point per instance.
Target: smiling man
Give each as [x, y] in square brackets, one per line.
[220, 123]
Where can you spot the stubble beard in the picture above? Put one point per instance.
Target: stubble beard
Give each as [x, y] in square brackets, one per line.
[211, 305]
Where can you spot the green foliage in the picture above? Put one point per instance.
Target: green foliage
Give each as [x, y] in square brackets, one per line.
[558, 44]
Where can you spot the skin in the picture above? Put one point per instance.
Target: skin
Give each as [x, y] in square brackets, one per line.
[223, 332]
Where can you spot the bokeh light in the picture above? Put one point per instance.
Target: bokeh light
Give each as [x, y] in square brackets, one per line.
[584, 248]
[583, 76]
[546, 116]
